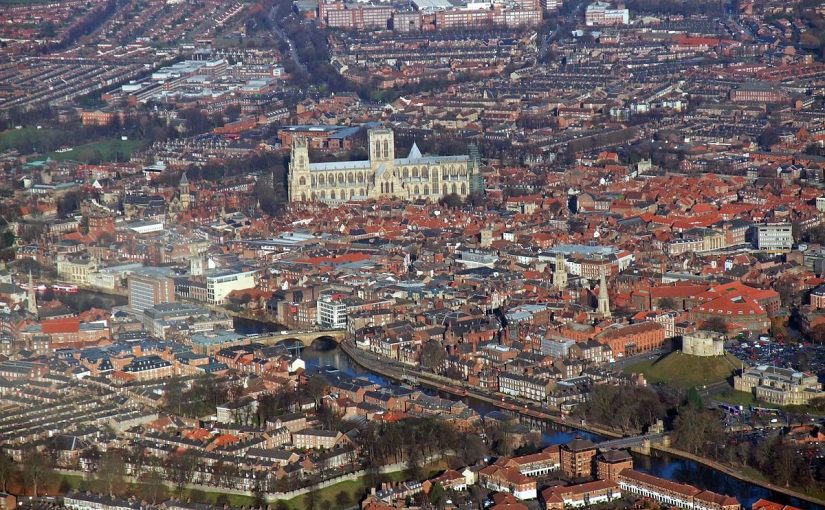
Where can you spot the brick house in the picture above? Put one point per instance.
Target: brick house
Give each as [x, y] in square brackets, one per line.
[576, 458]
[634, 338]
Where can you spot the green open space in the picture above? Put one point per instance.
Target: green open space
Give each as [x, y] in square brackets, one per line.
[23, 2]
[13, 138]
[355, 490]
[684, 370]
[103, 150]
[731, 396]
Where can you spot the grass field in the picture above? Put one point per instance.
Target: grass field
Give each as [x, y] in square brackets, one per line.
[355, 490]
[685, 371]
[104, 150]
[11, 138]
[23, 2]
[742, 398]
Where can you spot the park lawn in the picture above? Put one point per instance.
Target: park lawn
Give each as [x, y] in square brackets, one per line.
[211, 498]
[104, 150]
[10, 138]
[355, 489]
[742, 398]
[685, 371]
[23, 2]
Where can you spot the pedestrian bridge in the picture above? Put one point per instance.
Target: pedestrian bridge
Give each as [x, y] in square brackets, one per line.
[305, 337]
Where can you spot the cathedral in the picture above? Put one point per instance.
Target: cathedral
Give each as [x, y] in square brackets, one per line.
[383, 175]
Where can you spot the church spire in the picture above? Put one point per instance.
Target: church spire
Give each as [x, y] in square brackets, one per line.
[31, 298]
[604, 298]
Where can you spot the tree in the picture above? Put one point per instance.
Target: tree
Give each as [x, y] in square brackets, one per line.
[438, 496]
[788, 294]
[138, 458]
[478, 495]
[815, 234]
[153, 487]
[694, 429]
[281, 505]
[452, 201]
[694, 399]
[768, 137]
[69, 203]
[475, 199]
[35, 469]
[343, 499]
[317, 388]
[500, 437]
[181, 469]
[258, 497]
[717, 324]
[472, 449]
[111, 470]
[415, 464]
[433, 354]
[818, 333]
[6, 470]
[667, 303]
[312, 500]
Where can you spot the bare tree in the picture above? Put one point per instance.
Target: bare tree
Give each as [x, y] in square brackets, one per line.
[6, 470]
[152, 488]
[35, 469]
[110, 471]
[181, 470]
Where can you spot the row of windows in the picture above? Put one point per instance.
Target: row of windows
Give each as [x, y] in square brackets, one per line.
[405, 173]
[385, 188]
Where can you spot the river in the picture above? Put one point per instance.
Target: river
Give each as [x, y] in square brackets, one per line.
[658, 464]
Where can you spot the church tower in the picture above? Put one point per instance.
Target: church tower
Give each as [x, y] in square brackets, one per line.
[382, 145]
[183, 191]
[604, 298]
[299, 171]
[31, 298]
[476, 180]
[196, 266]
[560, 273]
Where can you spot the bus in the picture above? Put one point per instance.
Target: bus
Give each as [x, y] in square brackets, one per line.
[731, 408]
[65, 287]
[764, 410]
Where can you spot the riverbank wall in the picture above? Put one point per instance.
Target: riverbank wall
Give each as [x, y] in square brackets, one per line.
[359, 358]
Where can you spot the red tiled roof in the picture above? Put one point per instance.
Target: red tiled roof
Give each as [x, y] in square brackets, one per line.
[764, 504]
[717, 499]
[338, 259]
[67, 325]
[650, 480]
[584, 488]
